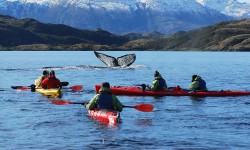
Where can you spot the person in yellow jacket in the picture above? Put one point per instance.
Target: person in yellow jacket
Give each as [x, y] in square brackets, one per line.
[105, 100]
[197, 84]
[158, 84]
[41, 78]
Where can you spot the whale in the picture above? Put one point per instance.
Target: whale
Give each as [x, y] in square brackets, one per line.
[122, 61]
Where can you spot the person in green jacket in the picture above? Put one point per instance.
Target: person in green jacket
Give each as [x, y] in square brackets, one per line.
[41, 78]
[105, 100]
[197, 84]
[158, 84]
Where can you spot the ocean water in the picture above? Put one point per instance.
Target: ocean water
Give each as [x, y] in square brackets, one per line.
[30, 121]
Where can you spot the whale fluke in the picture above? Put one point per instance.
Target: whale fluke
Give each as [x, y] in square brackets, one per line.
[123, 61]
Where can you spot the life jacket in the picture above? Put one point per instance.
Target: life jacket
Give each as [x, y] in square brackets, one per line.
[43, 77]
[202, 85]
[162, 84]
[105, 101]
[51, 82]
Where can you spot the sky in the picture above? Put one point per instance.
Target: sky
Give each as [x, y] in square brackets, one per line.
[248, 1]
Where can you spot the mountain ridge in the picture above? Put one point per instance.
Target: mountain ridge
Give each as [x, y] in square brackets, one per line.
[224, 36]
[15, 32]
[30, 34]
[229, 7]
[117, 16]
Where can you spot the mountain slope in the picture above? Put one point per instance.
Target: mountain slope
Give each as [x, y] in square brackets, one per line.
[29, 34]
[229, 7]
[117, 16]
[234, 35]
[15, 32]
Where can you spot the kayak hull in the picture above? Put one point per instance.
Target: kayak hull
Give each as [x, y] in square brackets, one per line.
[105, 116]
[136, 91]
[50, 92]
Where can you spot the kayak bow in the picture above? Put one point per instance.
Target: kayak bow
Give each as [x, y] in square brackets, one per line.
[50, 92]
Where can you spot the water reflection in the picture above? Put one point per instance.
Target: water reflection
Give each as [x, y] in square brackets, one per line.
[143, 122]
[197, 99]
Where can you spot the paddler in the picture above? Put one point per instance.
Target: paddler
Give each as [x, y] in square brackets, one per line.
[41, 78]
[105, 100]
[197, 84]
[158, 84]
[51, 82]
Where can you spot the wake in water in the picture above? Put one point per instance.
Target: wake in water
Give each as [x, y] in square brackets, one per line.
[84, 67]
[79, 67]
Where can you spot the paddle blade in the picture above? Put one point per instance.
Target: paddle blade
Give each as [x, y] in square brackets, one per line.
[61, 102]
[76, 88]
[23, 88]
[65, 83]
[144, 107]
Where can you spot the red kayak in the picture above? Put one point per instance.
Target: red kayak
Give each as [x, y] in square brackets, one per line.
[136, 91]
[105, 116]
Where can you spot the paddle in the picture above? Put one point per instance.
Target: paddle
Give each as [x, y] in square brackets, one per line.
[64, 83]
[64, 102]
[76, 88]
[73, 88]
[140, 107]
[20, 87]
[143, 86]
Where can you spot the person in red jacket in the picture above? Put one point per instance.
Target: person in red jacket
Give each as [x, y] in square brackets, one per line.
[51, 82]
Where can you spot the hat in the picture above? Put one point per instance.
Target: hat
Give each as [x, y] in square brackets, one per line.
[193, 77]
[52, 72]
[106, 84]
[45, 72]
[156, 73]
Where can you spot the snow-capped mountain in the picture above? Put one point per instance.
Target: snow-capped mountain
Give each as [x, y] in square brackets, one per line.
[229, 7]
[118, 16]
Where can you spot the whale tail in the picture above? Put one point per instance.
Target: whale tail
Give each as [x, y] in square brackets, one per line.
[125, 60]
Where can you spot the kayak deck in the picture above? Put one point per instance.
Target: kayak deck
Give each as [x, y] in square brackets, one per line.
[50, 92]
[105, 116]
[136, 91]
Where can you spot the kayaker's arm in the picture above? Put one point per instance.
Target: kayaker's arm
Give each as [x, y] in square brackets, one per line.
[154, 86]
[117, 104]
[194, 85]
[149, 87]
[92, 103]
[38, 81]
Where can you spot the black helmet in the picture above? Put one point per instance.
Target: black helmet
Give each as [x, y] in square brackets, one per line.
[52, 72]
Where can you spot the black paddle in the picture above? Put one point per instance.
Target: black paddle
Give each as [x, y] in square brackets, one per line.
[143, 86]
[65, 83]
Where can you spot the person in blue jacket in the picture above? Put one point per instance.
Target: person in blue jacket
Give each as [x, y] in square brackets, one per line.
[105, 100]
[197, 84]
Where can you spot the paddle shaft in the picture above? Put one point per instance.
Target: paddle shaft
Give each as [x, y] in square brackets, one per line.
[127, 106]
[82, 103]
[140, 107]
[64, 83]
